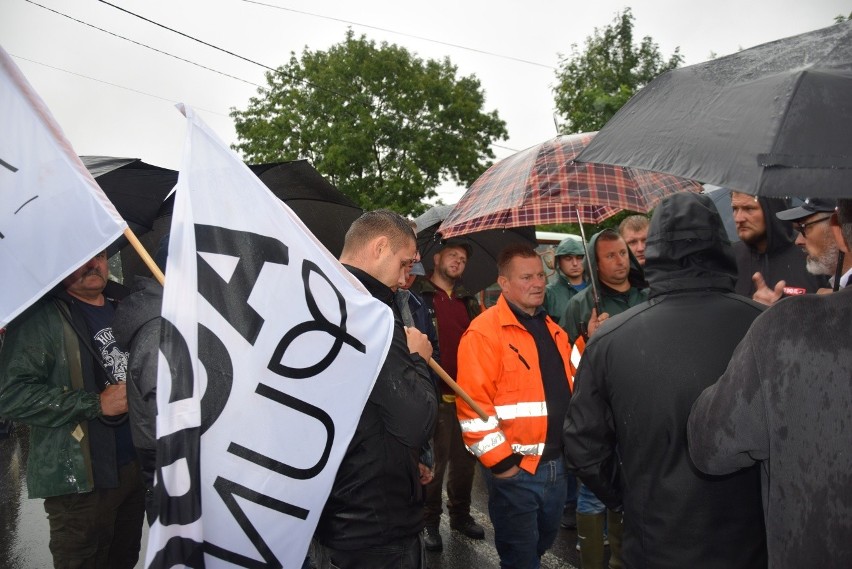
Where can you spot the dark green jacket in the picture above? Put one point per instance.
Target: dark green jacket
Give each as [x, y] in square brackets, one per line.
[579, 309]
[36, 389]
[556, 296]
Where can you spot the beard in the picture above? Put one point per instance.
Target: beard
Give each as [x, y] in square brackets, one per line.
[825, 263]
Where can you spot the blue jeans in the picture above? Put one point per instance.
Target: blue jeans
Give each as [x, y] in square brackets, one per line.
[588, 503]
[526, 510]
[571, 495]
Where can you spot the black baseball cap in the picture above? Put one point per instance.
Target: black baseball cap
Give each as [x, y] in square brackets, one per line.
[809, 207]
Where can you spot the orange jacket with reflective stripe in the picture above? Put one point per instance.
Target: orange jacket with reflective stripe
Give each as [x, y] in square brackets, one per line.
[499, 369]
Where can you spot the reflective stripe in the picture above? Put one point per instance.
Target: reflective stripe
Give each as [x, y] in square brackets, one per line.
[522, 409]
[577, 353]
[478, 425]
[528, 449]
[489, 442]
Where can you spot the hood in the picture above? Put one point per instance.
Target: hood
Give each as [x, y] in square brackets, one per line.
[779, 234]
[636, 276]
[688, 247]
[569, 246]
[144, 304]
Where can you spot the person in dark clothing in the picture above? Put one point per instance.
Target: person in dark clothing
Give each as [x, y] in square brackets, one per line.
[783, 404]
[767, 256]
[373, 516]
[63, 375]
[625, 431]
[451, 308]
[414, 313]
[137, 329]
[620, 283]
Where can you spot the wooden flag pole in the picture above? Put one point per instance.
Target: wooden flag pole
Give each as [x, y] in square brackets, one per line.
[149, 262]
[455, 387]
[161, 278]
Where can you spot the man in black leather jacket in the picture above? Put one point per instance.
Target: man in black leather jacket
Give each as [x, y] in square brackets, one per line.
[373, 516]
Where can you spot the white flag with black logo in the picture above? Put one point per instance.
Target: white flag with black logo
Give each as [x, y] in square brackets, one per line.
[53, 215]
[269, 350]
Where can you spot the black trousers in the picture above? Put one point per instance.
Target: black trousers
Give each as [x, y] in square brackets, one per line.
[101, 529]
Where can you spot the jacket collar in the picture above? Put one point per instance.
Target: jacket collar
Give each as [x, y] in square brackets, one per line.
[374, 286]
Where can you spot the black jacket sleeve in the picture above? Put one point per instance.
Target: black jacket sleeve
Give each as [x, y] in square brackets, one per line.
[589, 435]
[405, 394]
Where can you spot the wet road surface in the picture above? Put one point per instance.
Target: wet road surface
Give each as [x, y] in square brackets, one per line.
[24, 531]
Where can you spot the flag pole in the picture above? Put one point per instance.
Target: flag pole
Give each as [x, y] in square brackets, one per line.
[146, 258]
[436, 367]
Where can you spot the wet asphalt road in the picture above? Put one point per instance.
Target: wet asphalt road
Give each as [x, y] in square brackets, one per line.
[24, 532]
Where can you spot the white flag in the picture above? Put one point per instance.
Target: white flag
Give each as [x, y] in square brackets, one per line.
[269, 350]
[53, 215]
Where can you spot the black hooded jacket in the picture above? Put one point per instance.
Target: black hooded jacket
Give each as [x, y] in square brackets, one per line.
[782, 260]
[625, 432]
[137, 329]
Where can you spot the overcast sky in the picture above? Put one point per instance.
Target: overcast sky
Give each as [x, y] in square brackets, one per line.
[113, 97]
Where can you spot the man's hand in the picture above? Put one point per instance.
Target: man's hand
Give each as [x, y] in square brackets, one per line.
[426, 474]
[509, 473]
[114, 400]
[418, 343]
[595, 321]
[765, 295]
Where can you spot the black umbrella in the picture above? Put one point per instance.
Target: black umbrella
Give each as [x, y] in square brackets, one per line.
[481, 269]
[326, 211]
[773, 120]
[136, 189]
[139, 192]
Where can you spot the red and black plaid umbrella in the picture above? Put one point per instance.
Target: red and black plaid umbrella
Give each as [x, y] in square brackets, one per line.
[543, 185]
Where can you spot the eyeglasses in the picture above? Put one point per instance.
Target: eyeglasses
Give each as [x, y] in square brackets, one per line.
[802, 227]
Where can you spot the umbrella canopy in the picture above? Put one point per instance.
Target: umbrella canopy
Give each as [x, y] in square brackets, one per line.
[773, 120]
[136, 189]
[324, 209]
[543, 184]
[481, 269]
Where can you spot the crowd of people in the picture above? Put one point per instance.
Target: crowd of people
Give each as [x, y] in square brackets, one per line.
[698, 428]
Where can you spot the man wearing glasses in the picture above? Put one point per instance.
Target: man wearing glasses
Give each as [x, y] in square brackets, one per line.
[815, 220]
[783, 402]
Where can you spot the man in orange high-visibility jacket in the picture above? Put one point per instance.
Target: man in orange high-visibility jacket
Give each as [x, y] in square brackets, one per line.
[515, 362]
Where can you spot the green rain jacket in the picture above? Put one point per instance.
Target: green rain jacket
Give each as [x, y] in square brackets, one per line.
[559, 292]
[612, 302]
[36, 388]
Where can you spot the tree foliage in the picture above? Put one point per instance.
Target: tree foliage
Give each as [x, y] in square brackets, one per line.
[593, 84]
[383, 125]
[591, 228]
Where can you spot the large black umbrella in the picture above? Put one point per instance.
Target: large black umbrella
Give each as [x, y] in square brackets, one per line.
[140, 193]
[136, 189]
[772, 120]
[481, 269]
[326, 211]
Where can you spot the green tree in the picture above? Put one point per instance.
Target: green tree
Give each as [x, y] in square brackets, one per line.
[593, 84]
[383, 125]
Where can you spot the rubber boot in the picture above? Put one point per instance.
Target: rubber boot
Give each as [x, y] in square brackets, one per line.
[615, 524]
[590, 528]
